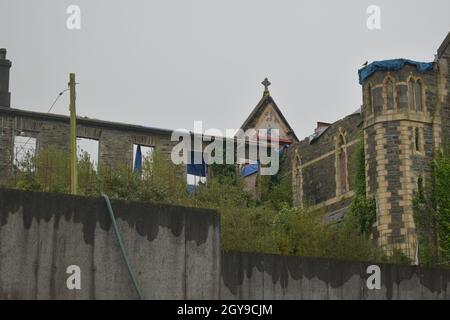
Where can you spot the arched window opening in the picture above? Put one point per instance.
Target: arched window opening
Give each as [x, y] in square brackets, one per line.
[415, 93]
[418, 95]
[411, 86]
[297, 180]
[416, 139]
[342, 174]
[389, 94]
[369, 99]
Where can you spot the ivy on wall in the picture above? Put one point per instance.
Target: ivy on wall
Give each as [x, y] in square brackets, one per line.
[431, 205]
[363, 208]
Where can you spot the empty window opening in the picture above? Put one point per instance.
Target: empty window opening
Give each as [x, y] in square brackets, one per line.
[418, 140]
[24, 151]
[88, 152]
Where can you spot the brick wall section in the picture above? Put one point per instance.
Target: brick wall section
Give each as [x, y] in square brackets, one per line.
[53, 134]
[115, 149]
[115, 139]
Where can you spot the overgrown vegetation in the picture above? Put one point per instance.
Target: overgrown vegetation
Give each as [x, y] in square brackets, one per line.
[432, 212]
[362, 208]
[269, 224]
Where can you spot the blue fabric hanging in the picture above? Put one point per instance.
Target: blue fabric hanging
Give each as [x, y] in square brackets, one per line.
[196, 169]
[250, 169]
[393, 64]
[138, 160]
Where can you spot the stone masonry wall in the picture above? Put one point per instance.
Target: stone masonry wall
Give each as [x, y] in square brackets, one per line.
[115, 139]
[399, 143]
[319, 161]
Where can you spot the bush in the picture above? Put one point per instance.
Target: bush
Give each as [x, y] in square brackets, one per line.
[270, 225]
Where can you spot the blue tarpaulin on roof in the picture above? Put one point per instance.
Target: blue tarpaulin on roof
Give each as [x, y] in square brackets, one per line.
[393, 64]
[252, 168]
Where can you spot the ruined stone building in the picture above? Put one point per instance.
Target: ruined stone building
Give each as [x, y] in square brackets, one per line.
[405, 116]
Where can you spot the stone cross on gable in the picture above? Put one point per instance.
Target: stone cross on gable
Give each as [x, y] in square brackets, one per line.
[266, 83]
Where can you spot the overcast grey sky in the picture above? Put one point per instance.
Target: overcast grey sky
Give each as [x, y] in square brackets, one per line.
[167, 63]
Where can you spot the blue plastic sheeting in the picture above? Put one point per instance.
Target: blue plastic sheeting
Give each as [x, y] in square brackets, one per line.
[194, 168]
[138, 160]
[393, 64]
[250, 169]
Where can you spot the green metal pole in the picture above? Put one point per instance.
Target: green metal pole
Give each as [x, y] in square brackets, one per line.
[73, 137]
[122, 247]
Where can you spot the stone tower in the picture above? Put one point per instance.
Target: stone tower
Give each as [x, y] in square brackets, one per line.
[403, 122]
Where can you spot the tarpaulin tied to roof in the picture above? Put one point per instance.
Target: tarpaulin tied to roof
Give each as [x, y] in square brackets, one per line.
[393, 64]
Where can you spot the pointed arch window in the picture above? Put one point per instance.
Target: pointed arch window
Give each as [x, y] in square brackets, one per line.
[342, 172]
[389, 94]
[411, 86]
[369, 99]
[418, 95]
[298, 181]
[415, 93]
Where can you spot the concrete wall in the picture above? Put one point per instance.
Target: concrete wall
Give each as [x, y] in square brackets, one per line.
[175, 254]
[174, 251]
[266, 276]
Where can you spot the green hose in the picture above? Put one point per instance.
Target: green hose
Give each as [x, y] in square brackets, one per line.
[122, 248]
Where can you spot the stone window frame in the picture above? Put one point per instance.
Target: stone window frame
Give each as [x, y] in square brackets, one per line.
[391, 78]
[369, 98]
[341, 147]
[418, 140]
[412, 96]
[297, 177]
[28, 135]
